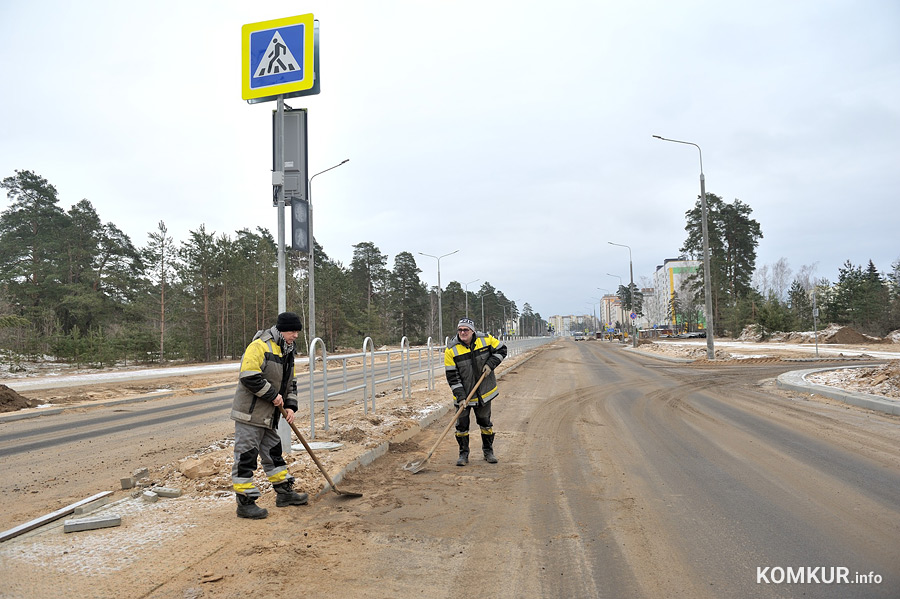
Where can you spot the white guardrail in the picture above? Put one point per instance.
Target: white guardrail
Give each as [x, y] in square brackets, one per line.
[398, 364]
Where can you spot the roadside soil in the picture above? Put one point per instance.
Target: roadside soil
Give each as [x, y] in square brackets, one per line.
[193, 546]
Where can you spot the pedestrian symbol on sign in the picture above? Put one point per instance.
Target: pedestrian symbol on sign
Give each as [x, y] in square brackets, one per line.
[276, 59]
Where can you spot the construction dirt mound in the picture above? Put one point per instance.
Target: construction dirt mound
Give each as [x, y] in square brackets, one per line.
[832, 334]
[846, 335]
[10, 401]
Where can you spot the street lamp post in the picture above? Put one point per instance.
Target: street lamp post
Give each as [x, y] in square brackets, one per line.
[483, 326]
[467, 296]
[707, 283]
[440, 308]
[620, 285]
[630, 290]
[312, 253]
[608, 321]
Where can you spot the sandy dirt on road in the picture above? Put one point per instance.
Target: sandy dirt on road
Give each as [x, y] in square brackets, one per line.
[155, 551]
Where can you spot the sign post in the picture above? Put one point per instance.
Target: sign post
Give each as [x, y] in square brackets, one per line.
[278, 61]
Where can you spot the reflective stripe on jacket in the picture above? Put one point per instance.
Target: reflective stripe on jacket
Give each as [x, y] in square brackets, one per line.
[267, 370]
[463, 366]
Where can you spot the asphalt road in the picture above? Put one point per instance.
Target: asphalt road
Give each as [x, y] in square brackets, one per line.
[620, 476]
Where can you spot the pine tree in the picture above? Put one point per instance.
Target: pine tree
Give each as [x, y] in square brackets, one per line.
[733, 239]
[30, 247]
[408, 298]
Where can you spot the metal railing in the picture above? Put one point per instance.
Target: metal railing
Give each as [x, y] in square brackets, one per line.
[337, 370]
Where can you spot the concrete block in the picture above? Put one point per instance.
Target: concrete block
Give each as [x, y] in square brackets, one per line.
[80, 524]
[127, 483]
[140, 473]
[166, 491]
[90, 507]
[150, 496]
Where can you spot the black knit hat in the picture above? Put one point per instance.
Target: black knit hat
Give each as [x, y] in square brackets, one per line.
[288, 321]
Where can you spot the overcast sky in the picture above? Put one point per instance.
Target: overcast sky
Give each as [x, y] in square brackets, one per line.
[518, 133]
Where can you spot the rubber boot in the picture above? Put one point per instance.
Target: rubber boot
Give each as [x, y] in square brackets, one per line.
[487, 444]
[286, 496]
[247, 508]
[463, 450]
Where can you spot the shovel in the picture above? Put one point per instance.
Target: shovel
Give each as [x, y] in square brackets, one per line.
[417, 465]
[316, 460]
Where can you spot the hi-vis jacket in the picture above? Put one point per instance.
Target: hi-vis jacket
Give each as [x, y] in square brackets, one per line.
[463, 366]
[267, 370]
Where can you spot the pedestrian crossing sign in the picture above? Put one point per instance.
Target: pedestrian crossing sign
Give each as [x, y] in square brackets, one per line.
[277, 57]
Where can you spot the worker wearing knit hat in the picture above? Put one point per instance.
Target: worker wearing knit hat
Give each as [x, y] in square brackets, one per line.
[466, 322]
[267, 388]
[288, 321]
[469, 362]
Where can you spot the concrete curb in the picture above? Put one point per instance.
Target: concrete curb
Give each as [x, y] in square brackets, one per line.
[427, 420]
[796, 381]
[373, 454]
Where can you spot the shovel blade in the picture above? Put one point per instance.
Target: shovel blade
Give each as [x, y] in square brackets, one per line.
[347, 494]
[415, 466]
[342, 493]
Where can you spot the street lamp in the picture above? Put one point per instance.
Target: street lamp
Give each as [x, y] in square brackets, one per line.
[620, 285]
[467, 296]
[707, 283]
[483, 326]
[440, 309]
[630, 290]
[505, 321]
[312, 253]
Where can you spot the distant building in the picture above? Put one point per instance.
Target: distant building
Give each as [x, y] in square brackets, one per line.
[670, 280]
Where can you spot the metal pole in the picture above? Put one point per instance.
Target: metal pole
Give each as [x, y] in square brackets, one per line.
[815, 321]
[467, 296]
[279, 164]
[440, 307]
[312, 253]
[620, 285]
[630, 291]
[284, 431]
[707, 283]
[483, 328]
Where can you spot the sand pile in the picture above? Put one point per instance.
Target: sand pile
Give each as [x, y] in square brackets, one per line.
[10, 401]
[833, 333]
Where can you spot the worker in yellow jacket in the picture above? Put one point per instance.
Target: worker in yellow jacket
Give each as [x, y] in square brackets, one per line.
[266, 382]
[467, 356]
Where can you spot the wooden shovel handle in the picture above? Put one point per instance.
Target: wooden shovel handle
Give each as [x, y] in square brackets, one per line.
[462, 406]
[307, 447]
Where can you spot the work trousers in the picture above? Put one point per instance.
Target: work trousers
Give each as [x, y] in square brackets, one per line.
[482, 418]
[252, 443]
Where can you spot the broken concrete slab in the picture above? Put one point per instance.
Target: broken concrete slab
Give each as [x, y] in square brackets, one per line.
[80, 524]
[87, 508]
[140, 473]
[166, 491]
